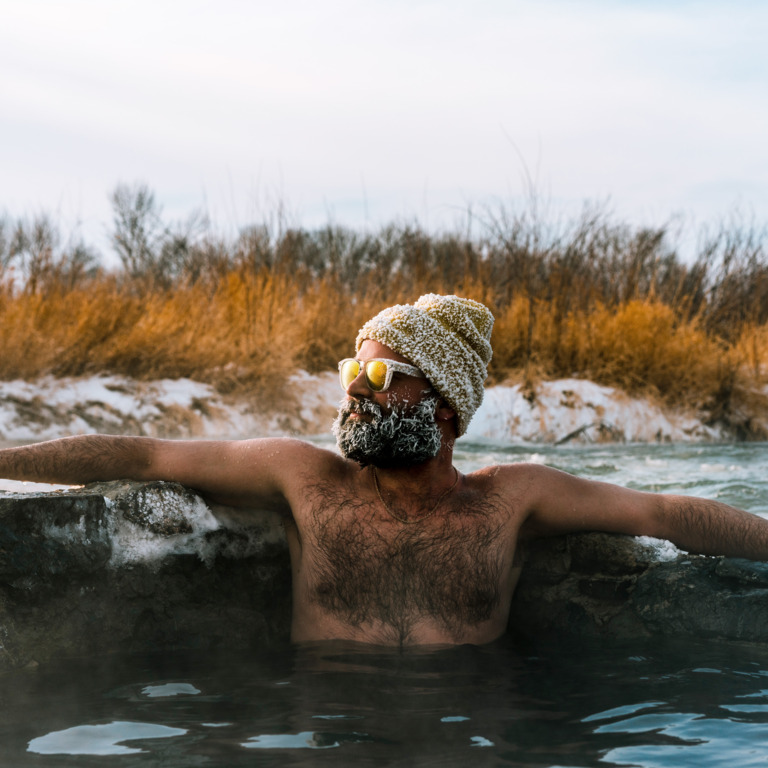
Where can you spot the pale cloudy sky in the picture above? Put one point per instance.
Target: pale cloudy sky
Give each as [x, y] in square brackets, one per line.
[363, 112]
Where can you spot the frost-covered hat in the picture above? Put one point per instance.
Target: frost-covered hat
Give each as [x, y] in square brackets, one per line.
[448, 338]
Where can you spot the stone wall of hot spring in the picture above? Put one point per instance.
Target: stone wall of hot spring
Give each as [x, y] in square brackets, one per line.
[136, 567]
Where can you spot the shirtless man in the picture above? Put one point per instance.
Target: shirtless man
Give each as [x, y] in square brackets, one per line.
[389, 543]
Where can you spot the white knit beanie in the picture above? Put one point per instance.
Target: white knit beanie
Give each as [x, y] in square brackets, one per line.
[448, 338]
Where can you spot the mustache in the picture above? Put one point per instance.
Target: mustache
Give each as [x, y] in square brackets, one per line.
[361, 407]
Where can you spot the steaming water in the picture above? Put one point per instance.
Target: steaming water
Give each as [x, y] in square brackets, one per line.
[631, 704]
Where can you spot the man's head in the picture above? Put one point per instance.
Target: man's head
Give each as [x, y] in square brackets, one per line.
[391, 416]
[448, 339]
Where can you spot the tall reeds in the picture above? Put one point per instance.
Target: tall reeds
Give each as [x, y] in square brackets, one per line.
[591, 298]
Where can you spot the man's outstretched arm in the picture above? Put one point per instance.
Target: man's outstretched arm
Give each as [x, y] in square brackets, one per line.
[79, 460]
[712, 528]
[557, 503]
[233, 472]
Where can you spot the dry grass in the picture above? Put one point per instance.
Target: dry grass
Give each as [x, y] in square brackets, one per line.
[598, 301]
[639, 346]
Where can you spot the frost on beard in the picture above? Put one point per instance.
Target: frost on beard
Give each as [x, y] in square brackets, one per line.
[402, 436]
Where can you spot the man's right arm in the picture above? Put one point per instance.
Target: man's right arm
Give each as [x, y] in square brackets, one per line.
[232, 472]
[79, 460]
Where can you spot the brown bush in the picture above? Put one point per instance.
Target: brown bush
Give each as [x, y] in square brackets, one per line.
[591, 299]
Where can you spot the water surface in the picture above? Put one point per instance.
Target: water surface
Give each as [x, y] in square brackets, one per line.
[665, 705]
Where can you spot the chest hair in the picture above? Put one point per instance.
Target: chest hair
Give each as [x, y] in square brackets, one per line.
[447, 568]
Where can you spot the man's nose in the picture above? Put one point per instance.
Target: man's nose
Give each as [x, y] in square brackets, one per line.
[358, 387]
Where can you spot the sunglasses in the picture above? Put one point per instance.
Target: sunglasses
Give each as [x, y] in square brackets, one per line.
[378, 373]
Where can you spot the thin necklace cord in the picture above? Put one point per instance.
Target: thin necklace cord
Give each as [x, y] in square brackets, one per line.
[406, 520]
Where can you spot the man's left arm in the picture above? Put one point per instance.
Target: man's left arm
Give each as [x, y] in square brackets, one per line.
[557, 503]
[712, 528]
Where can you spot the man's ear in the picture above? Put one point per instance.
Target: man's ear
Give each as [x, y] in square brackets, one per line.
[444, 412]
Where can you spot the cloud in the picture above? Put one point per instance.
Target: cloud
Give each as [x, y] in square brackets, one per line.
[383, 109]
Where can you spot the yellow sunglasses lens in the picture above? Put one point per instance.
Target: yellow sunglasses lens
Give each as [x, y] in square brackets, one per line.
[376, 375]
[350, 370]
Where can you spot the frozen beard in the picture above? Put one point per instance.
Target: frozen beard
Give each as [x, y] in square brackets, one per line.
[402, 436]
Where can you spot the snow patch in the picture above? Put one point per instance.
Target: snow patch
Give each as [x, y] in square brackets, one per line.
[132, 543]
[50, 408]
[567, 410]
[663, 550]
[580, 411]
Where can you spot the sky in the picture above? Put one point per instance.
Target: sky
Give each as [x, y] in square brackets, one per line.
[365, 113]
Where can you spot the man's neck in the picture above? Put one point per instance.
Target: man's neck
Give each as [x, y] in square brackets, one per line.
[426, 479]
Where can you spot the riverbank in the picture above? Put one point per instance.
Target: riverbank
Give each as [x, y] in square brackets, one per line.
[565, 410]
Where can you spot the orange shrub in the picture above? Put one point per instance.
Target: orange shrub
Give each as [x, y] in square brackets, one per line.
[249, 330]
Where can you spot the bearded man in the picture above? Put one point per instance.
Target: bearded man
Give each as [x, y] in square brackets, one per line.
[389, 542]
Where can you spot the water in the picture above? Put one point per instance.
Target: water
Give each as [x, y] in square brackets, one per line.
[569, 706]
[735, 474]
[336, 705]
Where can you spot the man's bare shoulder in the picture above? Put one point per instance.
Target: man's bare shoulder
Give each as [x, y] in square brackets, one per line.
[519, 475]
[285, 472]
[538, 483]
[553, 502]
[523, 485]
[293, 457]
[242, 472]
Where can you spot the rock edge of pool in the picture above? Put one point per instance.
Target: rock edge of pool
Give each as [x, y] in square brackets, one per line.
[134, 567]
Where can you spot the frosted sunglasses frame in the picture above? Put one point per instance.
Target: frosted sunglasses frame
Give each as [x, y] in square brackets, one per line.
[392, 367]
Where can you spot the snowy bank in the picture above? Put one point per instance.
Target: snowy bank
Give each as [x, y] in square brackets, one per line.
[581, 411]
[53, 407]
[559, 411]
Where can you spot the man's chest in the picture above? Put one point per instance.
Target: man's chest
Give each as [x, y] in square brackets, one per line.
[364, 568]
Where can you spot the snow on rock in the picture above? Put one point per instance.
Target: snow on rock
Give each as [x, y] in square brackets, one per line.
[559, 411]
[51, 408]
[572, 409]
